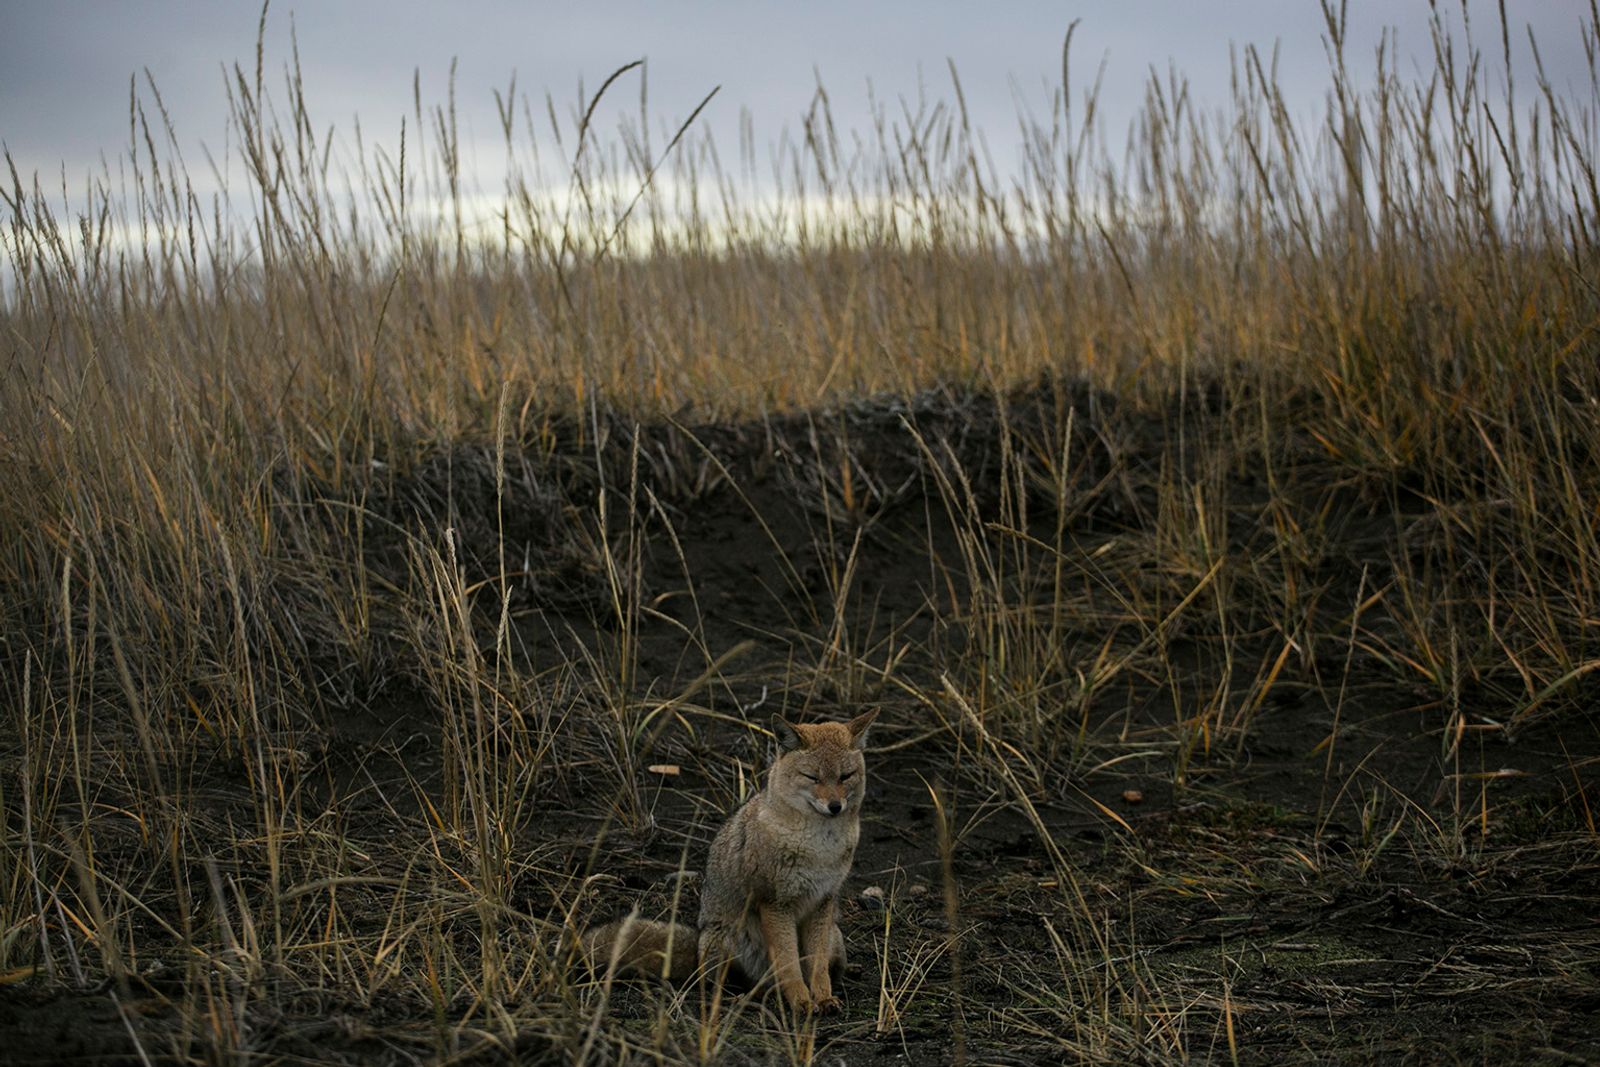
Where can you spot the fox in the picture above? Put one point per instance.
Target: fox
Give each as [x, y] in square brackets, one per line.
[769, 899]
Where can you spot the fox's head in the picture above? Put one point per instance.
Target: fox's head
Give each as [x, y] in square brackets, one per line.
[820, 766]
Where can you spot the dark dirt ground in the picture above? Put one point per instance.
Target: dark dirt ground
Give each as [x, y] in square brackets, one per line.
[1278, 900]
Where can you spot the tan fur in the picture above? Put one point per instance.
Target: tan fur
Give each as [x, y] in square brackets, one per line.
[769, 899]
[644, 946]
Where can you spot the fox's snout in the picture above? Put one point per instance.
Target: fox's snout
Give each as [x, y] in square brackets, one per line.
[828, 805]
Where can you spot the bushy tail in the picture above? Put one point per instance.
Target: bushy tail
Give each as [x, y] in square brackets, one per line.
[643, 946]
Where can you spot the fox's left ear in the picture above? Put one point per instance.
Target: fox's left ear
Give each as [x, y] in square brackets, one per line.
[858, 728]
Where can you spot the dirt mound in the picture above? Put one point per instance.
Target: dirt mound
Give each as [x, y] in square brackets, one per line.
[1160, 681]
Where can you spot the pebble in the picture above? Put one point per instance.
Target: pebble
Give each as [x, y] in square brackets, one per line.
[872, 898]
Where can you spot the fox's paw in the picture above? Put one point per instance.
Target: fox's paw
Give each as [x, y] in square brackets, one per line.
[800, 1002]
[827, 1005]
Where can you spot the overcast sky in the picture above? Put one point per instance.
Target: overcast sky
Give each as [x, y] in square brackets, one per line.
[65, 64]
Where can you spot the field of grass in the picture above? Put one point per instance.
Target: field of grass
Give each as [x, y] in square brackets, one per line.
[390, 589]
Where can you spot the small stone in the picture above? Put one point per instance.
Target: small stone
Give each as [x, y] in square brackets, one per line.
[872, 898]
[1132, 796]
[918, 891]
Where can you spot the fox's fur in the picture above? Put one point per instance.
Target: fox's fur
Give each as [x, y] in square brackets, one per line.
[769, 899]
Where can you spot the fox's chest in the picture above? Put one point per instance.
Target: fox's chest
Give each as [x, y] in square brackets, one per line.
[808, 872]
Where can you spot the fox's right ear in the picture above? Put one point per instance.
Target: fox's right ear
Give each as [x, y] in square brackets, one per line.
[788, 736]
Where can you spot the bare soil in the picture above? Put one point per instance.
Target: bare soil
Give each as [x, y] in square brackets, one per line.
[1335, 883]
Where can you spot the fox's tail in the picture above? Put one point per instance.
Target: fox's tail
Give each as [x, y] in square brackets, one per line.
[644, 946]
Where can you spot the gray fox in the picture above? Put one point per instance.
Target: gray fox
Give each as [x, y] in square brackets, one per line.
[769, 899]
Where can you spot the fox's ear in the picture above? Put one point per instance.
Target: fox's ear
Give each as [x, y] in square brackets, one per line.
[858, 728]
[788, 737]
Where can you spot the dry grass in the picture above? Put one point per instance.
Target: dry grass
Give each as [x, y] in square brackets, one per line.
[360, 559]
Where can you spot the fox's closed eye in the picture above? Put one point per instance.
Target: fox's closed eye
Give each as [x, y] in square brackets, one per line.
[846, 776]
[809, 777]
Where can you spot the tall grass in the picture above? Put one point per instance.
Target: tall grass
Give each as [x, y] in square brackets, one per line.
[217, 411]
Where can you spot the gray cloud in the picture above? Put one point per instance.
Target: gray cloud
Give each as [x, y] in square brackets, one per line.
[65, 67]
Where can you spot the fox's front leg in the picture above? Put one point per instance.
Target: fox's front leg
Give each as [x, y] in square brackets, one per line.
[783, 951]
[817, 937]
